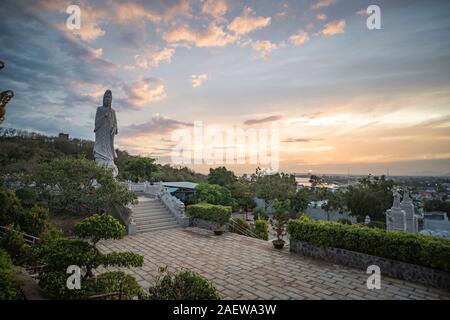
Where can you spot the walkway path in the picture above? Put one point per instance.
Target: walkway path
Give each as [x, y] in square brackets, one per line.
[246, 268]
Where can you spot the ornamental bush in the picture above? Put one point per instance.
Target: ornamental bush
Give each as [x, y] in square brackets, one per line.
[8, 280]
[397, 245]
[58, 253]
[185, 285]
[344, 221]
[99, 226]
[215, 213]
[262, 229]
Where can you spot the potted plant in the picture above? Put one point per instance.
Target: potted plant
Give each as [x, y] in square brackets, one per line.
[279, 222]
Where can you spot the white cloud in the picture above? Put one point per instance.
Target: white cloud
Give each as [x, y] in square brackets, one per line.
[198, 80]
[145, 90]
[154, 58]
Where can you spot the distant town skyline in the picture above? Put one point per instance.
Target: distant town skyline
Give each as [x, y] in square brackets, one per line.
[344, 98]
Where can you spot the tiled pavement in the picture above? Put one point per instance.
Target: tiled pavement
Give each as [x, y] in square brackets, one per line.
[246, 268]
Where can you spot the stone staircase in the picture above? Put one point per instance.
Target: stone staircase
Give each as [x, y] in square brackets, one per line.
[150, 215]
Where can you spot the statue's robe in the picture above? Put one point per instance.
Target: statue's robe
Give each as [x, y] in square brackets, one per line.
[105, 129]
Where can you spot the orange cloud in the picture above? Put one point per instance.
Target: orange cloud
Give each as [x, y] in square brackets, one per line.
[215, 8]
[265, 47]
[322, 4]
[212, 36]
[248, 22]
[333, 28]
[299, 38]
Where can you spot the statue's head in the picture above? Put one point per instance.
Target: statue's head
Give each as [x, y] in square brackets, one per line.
[107, 98]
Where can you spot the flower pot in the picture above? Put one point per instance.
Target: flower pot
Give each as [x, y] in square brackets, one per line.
[218, 232]
[278, 244]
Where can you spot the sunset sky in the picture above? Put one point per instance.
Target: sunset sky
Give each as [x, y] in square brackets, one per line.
[344, 98]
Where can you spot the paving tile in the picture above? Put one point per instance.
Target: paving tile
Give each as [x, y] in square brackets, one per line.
[245, 268]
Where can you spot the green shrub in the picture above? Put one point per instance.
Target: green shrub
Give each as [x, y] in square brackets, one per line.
[99, 226]
[377, 224]
[242, 226]
[12, 241]
[111, 282]
[8, 280]
[344, 221]
[185, 285]
[122, 259]
[215, 213]
[262, 229]
[260, 214]
[30, 220]
[411, 248]
[54, 284]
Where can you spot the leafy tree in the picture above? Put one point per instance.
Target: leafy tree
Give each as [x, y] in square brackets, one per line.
[243, 193]
[316, 181]
[140, 168]
[437, 205]
[372, 196]
[79, 186]
[221, 176]
[275, 186]
[213, 194]
[30, 220]
[333, 202]
[280, 217]
[299, 201]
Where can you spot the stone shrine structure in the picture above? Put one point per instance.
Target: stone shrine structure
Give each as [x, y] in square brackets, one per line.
[402, 214]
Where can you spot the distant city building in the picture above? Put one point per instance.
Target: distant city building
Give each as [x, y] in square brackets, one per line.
[63, 136]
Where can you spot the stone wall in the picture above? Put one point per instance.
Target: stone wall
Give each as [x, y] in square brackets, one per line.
[205, 224]
[388, 267]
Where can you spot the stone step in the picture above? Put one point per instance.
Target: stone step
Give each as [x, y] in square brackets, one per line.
[157, 228]
[151, 220]
[156, 225]
[149, 213]
[144, 208]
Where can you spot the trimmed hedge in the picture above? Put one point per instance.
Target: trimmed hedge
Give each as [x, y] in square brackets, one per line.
[210, 212]
[397, 245]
